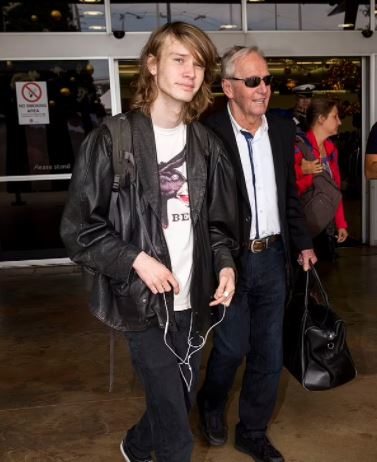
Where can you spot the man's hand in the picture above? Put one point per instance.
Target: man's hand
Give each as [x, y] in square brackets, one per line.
[311, 166]
[307, 258]
[342, 235]
[225, 290]
[154, 274]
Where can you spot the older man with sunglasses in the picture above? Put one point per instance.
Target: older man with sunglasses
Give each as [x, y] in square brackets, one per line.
[261, 149]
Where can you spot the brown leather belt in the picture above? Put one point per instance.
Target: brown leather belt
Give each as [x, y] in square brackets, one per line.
[258, 245]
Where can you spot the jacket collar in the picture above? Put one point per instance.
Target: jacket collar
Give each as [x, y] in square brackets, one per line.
[197, 150]
[274, 133]
[225, 128]
[144, 150]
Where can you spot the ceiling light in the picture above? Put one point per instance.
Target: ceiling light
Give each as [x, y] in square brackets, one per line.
[92, 13]
[228, 27]
[348, 25]
[90, 1]
[255, 1]
[97, 27]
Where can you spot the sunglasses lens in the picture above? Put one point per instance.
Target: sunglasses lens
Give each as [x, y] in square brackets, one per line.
[253, 82]
[268, 79]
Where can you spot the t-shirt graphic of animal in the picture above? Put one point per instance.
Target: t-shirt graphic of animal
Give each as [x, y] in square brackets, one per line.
[173, 185]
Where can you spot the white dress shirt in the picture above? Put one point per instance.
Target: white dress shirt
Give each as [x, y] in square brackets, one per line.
[266, 192]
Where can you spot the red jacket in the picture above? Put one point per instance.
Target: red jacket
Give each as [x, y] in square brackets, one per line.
[305, 181]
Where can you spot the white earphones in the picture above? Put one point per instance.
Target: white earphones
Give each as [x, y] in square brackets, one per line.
[194, 348]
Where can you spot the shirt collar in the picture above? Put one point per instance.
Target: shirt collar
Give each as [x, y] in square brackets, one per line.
[237, 127]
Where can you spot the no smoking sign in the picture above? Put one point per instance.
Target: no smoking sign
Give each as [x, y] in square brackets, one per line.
[31, 92]
[32, 103]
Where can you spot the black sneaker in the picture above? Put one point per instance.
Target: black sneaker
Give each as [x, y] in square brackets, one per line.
[212, 425]
[260, 449]
[128, 456]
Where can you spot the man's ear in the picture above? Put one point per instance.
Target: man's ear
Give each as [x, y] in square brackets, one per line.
[152, 64]
[227, 88]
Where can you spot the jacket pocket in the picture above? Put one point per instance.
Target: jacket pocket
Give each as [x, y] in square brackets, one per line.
[120, 288]
[133, 298]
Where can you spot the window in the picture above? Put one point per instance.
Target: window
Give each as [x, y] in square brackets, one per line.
[52, 16]
[77, 98]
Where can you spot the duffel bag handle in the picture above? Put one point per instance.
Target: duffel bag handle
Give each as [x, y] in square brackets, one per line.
[313, 272]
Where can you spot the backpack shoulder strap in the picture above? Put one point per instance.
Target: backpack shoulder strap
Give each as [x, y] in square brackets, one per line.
[122, 156]
[305, 147]
[123, 166]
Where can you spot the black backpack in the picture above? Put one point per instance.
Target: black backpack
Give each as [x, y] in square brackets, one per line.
[124, 172]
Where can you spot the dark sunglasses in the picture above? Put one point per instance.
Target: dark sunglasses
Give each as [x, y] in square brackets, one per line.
[253, 82]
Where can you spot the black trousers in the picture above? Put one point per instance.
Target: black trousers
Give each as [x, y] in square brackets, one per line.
[252, 329]
[164, 428]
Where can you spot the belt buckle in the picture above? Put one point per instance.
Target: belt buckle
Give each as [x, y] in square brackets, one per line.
[255, 242]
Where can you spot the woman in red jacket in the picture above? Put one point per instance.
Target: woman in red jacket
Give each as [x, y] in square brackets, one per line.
[323, 121]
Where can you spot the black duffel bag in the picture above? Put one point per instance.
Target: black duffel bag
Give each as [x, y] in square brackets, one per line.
[315, 347]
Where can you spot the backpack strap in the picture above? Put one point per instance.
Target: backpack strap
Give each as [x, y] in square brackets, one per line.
[305, 147]
[124, 169]
[307, 151]
[122, 156]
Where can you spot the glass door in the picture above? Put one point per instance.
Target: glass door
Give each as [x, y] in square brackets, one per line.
[46, 110]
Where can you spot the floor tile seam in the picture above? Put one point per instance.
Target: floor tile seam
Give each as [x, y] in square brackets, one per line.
[81, 403]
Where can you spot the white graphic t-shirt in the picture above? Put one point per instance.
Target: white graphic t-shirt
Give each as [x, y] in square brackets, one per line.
[175, 210]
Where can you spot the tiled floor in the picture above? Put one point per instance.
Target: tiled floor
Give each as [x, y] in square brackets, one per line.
[54, 402]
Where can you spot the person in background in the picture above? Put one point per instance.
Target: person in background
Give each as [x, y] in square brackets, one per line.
[261, 149]
[371, 155]
[304, 94]
[323, 122]
[172, 256]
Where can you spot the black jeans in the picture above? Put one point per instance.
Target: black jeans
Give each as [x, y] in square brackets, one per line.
[164, 427]
[252, 328]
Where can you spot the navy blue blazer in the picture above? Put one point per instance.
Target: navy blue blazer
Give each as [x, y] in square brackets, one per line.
[281, 132]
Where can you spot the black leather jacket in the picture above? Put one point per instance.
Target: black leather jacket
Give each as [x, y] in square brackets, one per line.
[119, 297]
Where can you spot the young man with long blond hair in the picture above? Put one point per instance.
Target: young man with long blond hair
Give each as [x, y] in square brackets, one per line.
[172, 255]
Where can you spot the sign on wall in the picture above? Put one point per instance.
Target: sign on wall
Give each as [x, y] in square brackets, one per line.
[32, 103]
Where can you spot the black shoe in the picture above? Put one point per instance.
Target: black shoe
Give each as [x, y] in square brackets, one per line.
[260, 449]
[128, 456]
[212, 425]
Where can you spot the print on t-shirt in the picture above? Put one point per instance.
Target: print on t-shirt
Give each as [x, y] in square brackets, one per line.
[173, 185]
